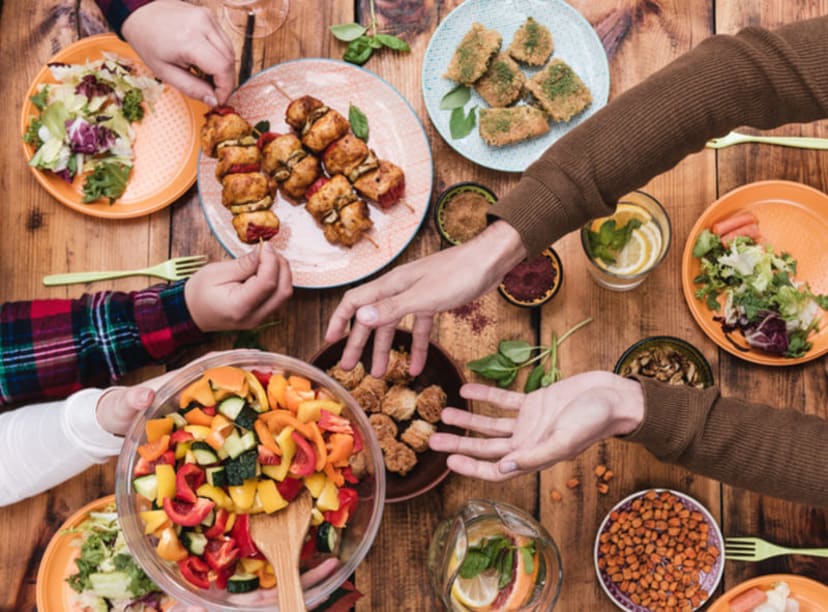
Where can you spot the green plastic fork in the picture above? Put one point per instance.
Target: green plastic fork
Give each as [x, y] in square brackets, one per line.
[173, 269]
[757, 549]
[799, 142]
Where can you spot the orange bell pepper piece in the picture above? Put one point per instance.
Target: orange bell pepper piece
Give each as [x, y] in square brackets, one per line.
[266, 579]
[299, 383]
[276, 391]
[169, 546]
[158, 427]
[334, 475]
[321, 449]
[278, 419]
[221, 424]
[341, 448]
[294, 398]
[266, 437]
[152, 450]
[215, 439]
[197, 416]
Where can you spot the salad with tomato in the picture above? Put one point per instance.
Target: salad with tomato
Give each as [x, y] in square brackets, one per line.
[243, 442]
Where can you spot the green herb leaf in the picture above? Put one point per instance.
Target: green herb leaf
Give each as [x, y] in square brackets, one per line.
[460, 124]
[31, 135]
[108, 179]
[346, 32]
[40, 98]
[517, 351]
[393, 42]
[358, 51]
[505, 567]
[359, 122]
[456, 98]
[507, 380]
[528, 554]
[533, 381]
[374, 42]
[494, 366]
[131, 106]
[261, 127]
[474, 564]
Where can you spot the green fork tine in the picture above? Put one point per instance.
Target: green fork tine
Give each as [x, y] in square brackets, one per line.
[757, 549]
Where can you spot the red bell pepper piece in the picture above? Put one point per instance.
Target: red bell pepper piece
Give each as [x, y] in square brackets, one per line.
[185, 514]
[209, 410]
[222, 577]
[358, 443]
[289, 488]
[309, 546]
[188, 478]
[216, 530]
[195, 571]
[144, 467]
[267, 456]
[221, 555]
[241, 536]
[348, 475]
[304, 461]
[328, 421]
[348, 499]
[261, 142]
[262, 377]
[244, 168]
[180, 435]
[316, 186]
[221, 109]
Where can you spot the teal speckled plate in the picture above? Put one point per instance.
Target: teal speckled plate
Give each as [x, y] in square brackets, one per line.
[576, 43]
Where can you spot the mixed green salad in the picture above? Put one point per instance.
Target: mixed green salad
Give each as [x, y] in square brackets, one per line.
[774, 312]
[108, 578]
[85, 123]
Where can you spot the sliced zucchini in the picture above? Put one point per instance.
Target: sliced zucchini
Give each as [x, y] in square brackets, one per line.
[216, 476]
[233, 444]
[241, 468]
[231, 407]
[178, 419]
[209, 519]
[246, 417]
[194, 542]
[146, 486]
[327, 538]
[203, 453]
[242, 583]
[249, 440]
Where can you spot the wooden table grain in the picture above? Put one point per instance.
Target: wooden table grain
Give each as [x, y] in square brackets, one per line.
[639, 36]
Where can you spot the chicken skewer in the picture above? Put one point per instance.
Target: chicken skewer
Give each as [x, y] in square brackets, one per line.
[345, 219]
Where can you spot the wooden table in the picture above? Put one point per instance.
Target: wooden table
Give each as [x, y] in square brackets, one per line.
[640, 36]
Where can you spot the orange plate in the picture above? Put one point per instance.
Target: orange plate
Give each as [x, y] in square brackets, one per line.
[166, 142]
[793, 218]
[58, 563]
[811, 595]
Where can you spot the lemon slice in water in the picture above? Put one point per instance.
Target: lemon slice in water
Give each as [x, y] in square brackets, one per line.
[478, 592]
[640, 253]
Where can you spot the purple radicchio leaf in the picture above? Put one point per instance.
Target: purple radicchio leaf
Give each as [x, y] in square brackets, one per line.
[85, 137]
[90, 87]
[768, 334]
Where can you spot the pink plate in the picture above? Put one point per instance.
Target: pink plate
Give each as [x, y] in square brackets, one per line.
[396, 134]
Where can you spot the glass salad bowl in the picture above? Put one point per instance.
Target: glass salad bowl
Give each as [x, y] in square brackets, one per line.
[325, 573]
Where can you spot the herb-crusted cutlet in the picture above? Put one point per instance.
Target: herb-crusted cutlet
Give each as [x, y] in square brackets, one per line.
[503, 126]
[559, 91]
[532, 43]
[473, 54]
[503, 82]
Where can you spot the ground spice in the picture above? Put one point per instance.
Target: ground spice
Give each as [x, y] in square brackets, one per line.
[530, 280]
[472, 314]
[464, 215]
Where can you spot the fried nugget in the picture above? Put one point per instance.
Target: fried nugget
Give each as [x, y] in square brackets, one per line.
[532, 43]
[400, 402]
[253, 226]
[369, 393]
[348, 378]
[385, 428]
[399, 362]
[503, 82]
[329, 128]
[302, 175]
[237, 158]
[502, 126]
[430, 403]
[417, 434]
[473, 54]
[559, 91]
[222, 124]
[399, 457]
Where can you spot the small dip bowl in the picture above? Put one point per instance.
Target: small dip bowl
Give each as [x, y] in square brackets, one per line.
[533, 282]
[461, 211]
[666, 358]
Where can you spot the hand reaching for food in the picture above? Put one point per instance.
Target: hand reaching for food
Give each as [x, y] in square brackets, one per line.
[172, 36]
[553, 424]
[433, 284]
[239, 294]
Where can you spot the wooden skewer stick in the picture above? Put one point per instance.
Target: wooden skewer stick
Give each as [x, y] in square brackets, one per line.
[408, 206]
[280, 90]
[372, 241]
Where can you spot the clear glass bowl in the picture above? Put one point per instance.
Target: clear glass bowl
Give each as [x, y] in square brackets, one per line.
[357, 537]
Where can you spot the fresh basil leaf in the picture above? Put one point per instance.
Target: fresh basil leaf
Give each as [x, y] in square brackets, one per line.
[374, 42]
[261, 127]
[359, 122]
[507, 380]
[392, 42]
[456, 98]
[534, 379]
[528, 554]
[346, 32]
[505, 566]
[460, 124]
[358, 51]
[474, 564]
[494, 366]
[517, 351]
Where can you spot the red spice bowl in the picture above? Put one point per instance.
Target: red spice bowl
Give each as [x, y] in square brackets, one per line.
[533, 282]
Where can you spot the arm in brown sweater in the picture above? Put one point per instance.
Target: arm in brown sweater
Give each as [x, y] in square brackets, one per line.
[758, 78]
[782, 453]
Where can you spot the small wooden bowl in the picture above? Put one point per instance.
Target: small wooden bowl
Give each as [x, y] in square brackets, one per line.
[549, 292]
[451, 192]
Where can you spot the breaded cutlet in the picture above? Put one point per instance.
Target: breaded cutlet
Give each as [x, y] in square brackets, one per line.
[473, 54]
[503, 82]
[503, 126]
[559, 91]
[532, 43]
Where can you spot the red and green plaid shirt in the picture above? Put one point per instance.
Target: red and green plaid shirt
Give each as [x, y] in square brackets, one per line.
[51, 348]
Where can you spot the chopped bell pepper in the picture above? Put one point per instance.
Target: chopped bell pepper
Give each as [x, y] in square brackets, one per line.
[241, 536]
[199, 431]
[188, 515]
[169, 546]
[334, 475]
[243, 494]
[342, 446]
[199, 392]
[266, 437]
[218, 495]
[219, 524]
[195, 571]
[150, 451]
[333, 422]
[197, 416]
[276, 420]
[259, 401]
[348, 500]
[289, 488]
[144, 467]
[269, 496]
[165, 475]
[181, 435]
[276, 391]
[304, 461]
[315, 483]
[221, 554]
[311, 410]
[329, 498]
[267, 456]
[153, 520]
[321, 449]
[188, 477]
[156, 428]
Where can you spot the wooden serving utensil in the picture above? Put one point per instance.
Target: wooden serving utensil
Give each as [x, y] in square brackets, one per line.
[279, 536]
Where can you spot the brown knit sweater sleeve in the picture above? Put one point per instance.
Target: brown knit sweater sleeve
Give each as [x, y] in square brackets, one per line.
[757, 77]
[782, 453]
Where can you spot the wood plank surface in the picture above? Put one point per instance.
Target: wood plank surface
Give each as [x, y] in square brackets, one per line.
[640, 36]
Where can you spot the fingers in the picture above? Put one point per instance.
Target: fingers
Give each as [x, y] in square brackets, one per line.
[353, 347]
[481, 448]
[318, 573]
[420, 333]
[531, 459]
[186, 82]
[488, 426]
[474, 468]
[383, 338]
[493, 395]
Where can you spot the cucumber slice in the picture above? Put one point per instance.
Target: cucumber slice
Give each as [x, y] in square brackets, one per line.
[203, 453]
[327, 538]
[178, 420]
[249, 440]
[216, 476]
[209, 519]
[146, 486]
[246, 417]
[231, 407]
[241, 468]
[233, 445]
[242, 583]
[194, 542]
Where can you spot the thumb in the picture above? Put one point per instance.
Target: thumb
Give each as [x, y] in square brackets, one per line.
[118, 407]
[237, 270]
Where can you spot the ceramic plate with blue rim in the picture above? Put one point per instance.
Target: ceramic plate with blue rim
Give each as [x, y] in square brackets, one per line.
[576, 43]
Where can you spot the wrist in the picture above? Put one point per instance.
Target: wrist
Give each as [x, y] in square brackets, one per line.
[628, 405]
[133, 21]
[500, 248]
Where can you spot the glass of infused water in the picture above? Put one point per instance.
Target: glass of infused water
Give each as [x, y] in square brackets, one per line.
[265, 16]
[492, 556]
[624, 248]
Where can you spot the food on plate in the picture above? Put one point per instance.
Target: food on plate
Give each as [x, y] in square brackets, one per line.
[753, 290]
[627, 243]
[399, 402]
[667, 362]
[384, 426]
[503, 82]
[222, 124]
[666, 568]
[430, 403]
[325, 130]
[499, 127]
[349, 156]
[290, 164]
[253, 189]
[107, 577]
[302, 110]
[369, 393]
[776, 599]
[473, 54]
[343, 216]
[384, 185]
[84, 126]
[532, 43]
[239, 158]
[559, 91]
[399, 457]
[417, 434]
[257, 225]
[244, 442]
[348, 378]
[397, 370]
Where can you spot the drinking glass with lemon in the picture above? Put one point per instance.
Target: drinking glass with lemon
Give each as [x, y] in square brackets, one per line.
[626, 246]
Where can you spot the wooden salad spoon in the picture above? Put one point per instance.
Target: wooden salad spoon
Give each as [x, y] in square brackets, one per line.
[279, 536]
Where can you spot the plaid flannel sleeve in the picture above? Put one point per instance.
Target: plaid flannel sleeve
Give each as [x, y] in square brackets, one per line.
[117, 11]
[51, 348]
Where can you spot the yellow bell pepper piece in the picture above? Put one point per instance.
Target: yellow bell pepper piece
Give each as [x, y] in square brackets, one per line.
[315, 483]
[251, 566]
[329, 498]
[231, 520]
[270, 497]
[243, 495]
[169, 546]
[311, 410]
[153, 519]
[316, 517]
[181, 449]
[288, 447]
[259, 401]
[166, 482]
[199, 431]
[217, 495]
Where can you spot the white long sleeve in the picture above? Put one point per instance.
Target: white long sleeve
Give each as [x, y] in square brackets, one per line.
[42, 445]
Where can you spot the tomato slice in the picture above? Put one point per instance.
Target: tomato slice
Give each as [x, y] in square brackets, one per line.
[188, 478]
[195, 571]
[221, 554]
[240, 534]
[289, 488]
[304, 460]
[186, 514]
[348, 499]
[216, 530]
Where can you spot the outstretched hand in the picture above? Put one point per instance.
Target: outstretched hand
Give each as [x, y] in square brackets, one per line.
[425, 287]
[172, 36]
[552, 424]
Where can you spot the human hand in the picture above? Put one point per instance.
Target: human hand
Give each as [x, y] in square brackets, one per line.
[433, 284]
[239, 294]
[552, 424]
[170, 36]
